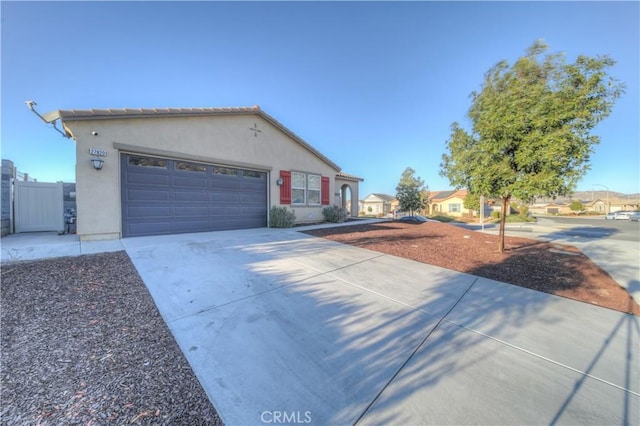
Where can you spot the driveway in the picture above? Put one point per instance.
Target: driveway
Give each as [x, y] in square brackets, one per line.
[281, 327]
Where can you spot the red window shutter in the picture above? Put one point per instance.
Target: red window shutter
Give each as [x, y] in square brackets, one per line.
[285, 188]
[325, 196]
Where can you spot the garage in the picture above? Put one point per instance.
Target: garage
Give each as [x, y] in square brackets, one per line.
[169, 196]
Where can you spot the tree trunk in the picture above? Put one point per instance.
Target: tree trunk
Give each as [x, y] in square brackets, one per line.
[503, 221]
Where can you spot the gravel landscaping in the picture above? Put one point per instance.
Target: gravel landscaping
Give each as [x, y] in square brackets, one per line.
[83, 343]
[556, 269]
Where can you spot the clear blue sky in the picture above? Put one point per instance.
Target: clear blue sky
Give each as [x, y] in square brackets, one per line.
[374, 86]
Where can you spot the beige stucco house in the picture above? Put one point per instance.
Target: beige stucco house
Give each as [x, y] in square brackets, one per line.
[172, 170]
[449, 202]
[378, 204]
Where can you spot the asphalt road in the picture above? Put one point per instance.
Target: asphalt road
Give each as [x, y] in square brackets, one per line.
[593, 227]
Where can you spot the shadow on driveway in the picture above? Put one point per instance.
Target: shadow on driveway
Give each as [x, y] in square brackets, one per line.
[277, 323]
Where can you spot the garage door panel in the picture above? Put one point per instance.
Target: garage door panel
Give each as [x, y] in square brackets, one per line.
[147, 179]
[163, 196]
[251, 197]
[191, 196]
[147, 194]
[190, 226]
[226, 184]
[230, 210]
[182, 211]
[148, 228]
[226, 197]
[142, 211]
[190, 182]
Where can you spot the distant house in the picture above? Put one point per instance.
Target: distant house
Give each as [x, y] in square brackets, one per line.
[612, 205]
[549, 208]
[378, 204]
[449, 202]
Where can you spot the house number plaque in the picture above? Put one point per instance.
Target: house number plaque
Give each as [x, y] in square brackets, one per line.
[97, 152]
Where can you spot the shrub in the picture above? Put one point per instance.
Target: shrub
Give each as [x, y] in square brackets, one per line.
[495, 214]
[281, 217]
[524, 212]
[334, 214]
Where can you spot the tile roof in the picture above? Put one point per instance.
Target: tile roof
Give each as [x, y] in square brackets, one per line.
[443, 195]
[347, 176]
[106, 114]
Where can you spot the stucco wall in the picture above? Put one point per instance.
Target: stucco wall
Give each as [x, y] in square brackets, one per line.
[213, 139]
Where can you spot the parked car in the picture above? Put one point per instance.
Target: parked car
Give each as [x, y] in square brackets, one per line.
[634, 217]
[621, 215]
[413, 219]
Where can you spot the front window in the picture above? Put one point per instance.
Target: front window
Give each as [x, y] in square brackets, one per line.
[454, 208]
[313, 190]
[298, 188]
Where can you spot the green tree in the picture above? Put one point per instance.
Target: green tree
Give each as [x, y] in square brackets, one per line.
[472, 202]
[576, 206]
[531, 127]
[412, 194]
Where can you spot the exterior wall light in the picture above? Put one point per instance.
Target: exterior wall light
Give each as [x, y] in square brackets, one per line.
[279, 182]
[97, 163]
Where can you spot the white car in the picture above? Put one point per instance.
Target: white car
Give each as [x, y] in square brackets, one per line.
[621, 215]
[634, 217]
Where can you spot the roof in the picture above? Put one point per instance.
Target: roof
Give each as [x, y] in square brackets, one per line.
[444, 195]
[120, 113]
[383, 197]
[347, 176]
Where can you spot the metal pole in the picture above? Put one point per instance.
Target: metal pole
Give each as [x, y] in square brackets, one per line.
[482, 211]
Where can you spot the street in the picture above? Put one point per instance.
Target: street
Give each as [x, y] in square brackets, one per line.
[594, 227]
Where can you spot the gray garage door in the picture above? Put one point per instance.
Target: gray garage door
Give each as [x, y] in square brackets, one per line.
[163, 196]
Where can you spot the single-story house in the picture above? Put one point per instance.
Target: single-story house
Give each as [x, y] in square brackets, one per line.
[174, 170]
[450, 202]
[549, 208]
[378, 204]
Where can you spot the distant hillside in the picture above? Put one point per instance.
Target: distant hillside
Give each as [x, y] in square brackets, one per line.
[592, 195]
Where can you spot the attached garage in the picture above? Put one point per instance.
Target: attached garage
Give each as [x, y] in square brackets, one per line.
[166, 196]
[162, 171]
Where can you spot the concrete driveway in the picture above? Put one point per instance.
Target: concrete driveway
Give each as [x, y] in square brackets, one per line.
[281, 327]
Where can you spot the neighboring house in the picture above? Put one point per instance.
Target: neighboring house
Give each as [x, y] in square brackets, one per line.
[549, 208]
[623, 205]
[173, 170]
[378, 204]
[449, 202]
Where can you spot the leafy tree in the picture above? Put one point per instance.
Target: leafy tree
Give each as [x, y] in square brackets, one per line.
[412, 193]
[472, 202]
[531, 125]
[576, 206]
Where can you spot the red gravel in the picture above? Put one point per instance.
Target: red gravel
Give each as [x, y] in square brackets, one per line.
[556, 269]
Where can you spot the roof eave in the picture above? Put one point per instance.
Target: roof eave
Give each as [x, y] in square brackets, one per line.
[126, 113]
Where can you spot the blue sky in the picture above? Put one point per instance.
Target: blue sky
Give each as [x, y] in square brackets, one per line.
[374, 86]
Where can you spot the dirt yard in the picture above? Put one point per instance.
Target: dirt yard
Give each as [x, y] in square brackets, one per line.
[556, 269]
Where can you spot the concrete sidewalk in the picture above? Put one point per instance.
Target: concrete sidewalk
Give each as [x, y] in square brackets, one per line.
[42, 245]
[281, 327]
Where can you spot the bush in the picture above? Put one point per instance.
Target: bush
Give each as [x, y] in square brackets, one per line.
[281, 217]
[495, 214]
[524, 212]
[334, 214]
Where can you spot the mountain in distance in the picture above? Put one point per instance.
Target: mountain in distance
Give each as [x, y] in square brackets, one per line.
[586, 196]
